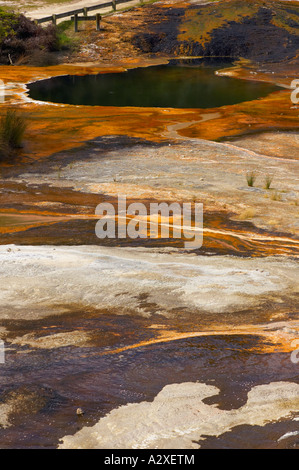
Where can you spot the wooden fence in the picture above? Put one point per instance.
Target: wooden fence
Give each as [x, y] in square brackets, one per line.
[74, 14]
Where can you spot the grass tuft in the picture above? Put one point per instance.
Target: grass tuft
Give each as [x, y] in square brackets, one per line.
[276, 196]
[12, 129]
[268, 181]
[250, 178]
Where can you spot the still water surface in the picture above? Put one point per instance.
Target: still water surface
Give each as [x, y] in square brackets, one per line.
[183, 84]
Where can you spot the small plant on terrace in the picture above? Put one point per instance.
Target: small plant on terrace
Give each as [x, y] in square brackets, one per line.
[12, 129]
[250, 178]
[268, 181]
[276, 196]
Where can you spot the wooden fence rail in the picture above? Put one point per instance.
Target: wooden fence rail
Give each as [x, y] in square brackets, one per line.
[84, 11]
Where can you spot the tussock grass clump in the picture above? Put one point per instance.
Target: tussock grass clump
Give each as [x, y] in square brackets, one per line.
[251, 178]
[12, 128]
[247, 214]
[268, 181]
[276, 196]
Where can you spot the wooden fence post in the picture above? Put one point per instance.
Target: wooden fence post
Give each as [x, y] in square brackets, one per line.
[54, 19]
[85, 12]
[113, 5]
[76, 22]
[98, 20]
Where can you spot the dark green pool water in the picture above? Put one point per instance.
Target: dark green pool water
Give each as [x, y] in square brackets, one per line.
[178, 85]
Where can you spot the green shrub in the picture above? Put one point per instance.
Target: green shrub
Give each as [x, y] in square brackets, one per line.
[23, 41]
[8, 20]
[64, 41]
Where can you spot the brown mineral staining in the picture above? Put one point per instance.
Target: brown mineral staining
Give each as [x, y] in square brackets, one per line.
[272, 338]
[21, 403]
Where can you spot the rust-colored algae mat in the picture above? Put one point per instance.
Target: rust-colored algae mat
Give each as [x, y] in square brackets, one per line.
[129, 341]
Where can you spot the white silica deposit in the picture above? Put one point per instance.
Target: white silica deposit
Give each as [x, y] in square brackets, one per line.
[177, 418]
[37, 279]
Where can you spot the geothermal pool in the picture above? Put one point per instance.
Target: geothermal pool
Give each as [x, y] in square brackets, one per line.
[183, 84]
